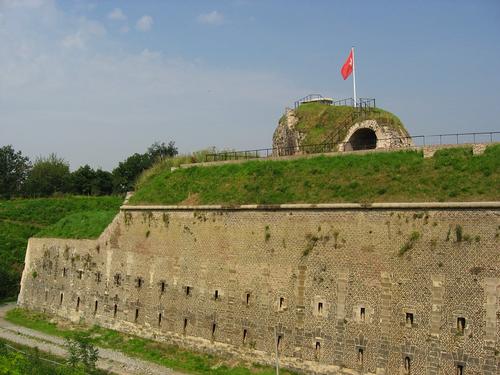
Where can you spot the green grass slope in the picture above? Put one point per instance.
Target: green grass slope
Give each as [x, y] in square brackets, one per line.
[405, 176]
[319, 121]
[67, 217]
[170, 356]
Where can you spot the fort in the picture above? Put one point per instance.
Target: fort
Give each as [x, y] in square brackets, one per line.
[333, 288]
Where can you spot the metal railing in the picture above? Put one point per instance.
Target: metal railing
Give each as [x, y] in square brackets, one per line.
[396, 142]
[361, 103]
[308, 98]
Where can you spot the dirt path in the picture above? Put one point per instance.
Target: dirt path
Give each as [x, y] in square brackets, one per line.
[109, 360]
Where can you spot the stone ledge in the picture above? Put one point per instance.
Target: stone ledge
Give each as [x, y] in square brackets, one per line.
[319, 206]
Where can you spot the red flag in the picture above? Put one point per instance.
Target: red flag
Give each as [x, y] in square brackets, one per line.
[347, 67]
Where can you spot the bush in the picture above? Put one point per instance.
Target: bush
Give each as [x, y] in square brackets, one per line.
[82, 353]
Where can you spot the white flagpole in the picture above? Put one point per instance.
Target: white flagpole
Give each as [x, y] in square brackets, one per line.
[354, 75]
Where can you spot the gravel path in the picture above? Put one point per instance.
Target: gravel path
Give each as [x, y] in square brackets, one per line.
[109, 360]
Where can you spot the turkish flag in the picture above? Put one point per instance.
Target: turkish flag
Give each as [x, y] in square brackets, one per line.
[347, 67]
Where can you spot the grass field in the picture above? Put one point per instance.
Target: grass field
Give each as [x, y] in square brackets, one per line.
[163, 354]
[451, 175]
[68, 217]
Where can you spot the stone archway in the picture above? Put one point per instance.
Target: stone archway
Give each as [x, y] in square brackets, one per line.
[362, 139]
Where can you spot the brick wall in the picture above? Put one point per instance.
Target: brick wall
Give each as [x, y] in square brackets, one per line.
[346, 289]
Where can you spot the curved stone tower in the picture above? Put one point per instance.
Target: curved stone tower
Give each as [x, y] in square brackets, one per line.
[317, 127]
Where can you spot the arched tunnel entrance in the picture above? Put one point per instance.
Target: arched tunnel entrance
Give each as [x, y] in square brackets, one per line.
[362, 139]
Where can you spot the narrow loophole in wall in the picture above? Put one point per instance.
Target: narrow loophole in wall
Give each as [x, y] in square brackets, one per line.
[361, 354]
[460, 370]
[248, 299]
[317, 350]
[407, 366]
[162, 286]
[362, 314]
[461, 325]
[320, 308]
[65, 272]
[46, 296]
[95, 306]
[188, 290]
[98, 277]
[138, 282]
[118, 279]
[159, 320]
[216, 294]
[184, 328]
[214, 329]
[61, 299]
[77, 303]
[115, 310]
[136, 315]
[409, 319]
[245, 334]
[278, 342]
[282, 302]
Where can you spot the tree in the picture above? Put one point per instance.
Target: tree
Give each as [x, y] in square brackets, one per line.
[14, 168]
[126, 173]
[103, 183]
[159, 151]
[82, 353]
[48, 176]
[82, 180]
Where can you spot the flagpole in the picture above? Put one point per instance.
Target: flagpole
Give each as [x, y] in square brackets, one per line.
[354, 75]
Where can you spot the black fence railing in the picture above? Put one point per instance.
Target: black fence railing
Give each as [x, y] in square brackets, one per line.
[308, 98]
[361, 103]
[395, 142]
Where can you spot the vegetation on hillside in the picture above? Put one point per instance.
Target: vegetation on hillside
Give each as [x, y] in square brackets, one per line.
[17, 359]
[49, 176]
[163, 354]
[405, 176]
[69, 217]
[319, 122]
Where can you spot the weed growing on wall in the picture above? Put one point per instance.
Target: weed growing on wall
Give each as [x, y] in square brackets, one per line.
[410, 243]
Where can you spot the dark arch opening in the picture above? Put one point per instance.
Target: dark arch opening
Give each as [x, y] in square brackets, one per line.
[362, 139]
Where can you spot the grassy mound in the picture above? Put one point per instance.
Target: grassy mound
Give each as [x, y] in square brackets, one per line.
[20, 219]
[405, 176]
[320, 121]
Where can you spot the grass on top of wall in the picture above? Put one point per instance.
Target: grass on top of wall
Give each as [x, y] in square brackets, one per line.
[405, 176]
[163, 354]
[86, 224]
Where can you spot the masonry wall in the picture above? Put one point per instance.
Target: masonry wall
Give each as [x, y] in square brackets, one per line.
[344, 289]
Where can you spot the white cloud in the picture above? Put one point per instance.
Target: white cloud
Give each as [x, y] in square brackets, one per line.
[93, 28]
[88, 30]
[73, 95]
[117, 14]
[212, 18]
[73, 41]
[145, 23]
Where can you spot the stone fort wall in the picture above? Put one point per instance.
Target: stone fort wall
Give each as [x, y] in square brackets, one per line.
[341, 289]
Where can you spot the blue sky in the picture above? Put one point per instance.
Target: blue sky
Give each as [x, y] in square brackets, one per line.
[95, 81]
